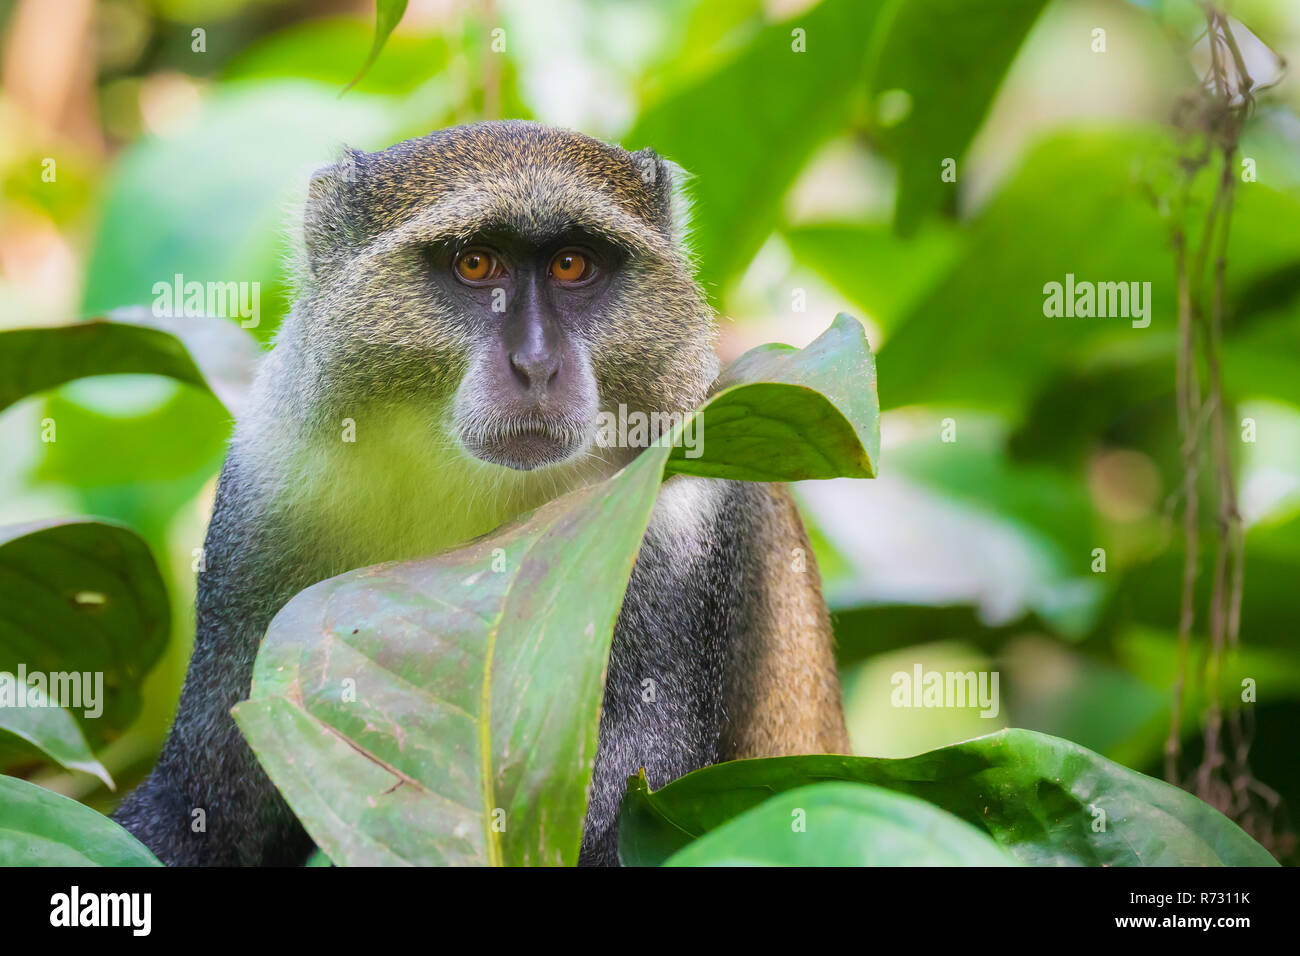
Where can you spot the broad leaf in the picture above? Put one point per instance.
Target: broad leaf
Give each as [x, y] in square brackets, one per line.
[948, 57]
[39, 827]
[476, 692]
[445, 710]
[744, 131]
[843, 824]
[83, 596]
[767, 431]
[1046, 800]
[212, 353]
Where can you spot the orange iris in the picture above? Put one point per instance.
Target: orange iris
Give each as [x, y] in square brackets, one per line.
[476, 265]
[570, 266]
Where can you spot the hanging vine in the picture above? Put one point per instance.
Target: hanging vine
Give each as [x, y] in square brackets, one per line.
[1210, 123]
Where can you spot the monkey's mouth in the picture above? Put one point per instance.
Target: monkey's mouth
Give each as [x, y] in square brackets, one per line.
[525, 445]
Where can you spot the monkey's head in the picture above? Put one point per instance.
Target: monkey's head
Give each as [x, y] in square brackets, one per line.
[512, 279]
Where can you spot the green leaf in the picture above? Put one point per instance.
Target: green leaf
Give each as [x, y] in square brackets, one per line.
[771, 432]
[53, 731]
[1037, 796]
[41, 828]
[949, 56]
[387, 15]
[843, 824]
[742, 160]
[86, 596]
[214, 354]
[477, 692]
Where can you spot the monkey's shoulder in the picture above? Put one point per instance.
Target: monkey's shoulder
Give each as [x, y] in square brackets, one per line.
[729, 563]
[695, 516]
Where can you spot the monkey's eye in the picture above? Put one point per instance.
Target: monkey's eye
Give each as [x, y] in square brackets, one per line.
[478, 265]
[572, 265]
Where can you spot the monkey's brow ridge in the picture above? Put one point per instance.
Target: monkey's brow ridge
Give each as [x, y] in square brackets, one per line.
[528, 213]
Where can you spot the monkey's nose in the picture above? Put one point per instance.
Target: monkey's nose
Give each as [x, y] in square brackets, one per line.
[535, 369]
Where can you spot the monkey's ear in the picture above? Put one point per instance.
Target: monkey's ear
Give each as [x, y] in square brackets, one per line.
[328, 226]
[664, 183]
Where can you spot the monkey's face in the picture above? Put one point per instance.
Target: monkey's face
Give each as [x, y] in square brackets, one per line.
[518, 279]
[529, 395]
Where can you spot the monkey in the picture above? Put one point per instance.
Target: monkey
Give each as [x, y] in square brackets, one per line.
[467, 303]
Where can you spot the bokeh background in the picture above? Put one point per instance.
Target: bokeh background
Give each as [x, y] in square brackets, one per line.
[182, 132]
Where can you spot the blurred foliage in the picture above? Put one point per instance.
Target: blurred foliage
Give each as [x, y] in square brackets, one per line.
[814, 134]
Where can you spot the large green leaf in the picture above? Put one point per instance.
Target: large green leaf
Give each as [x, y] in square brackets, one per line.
[1040, 797]
[949, 57]
[445, 710]
[86, 596]
[843, 824]
[475, 690]
[745, 130]
[41, 828]
[214, 354]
